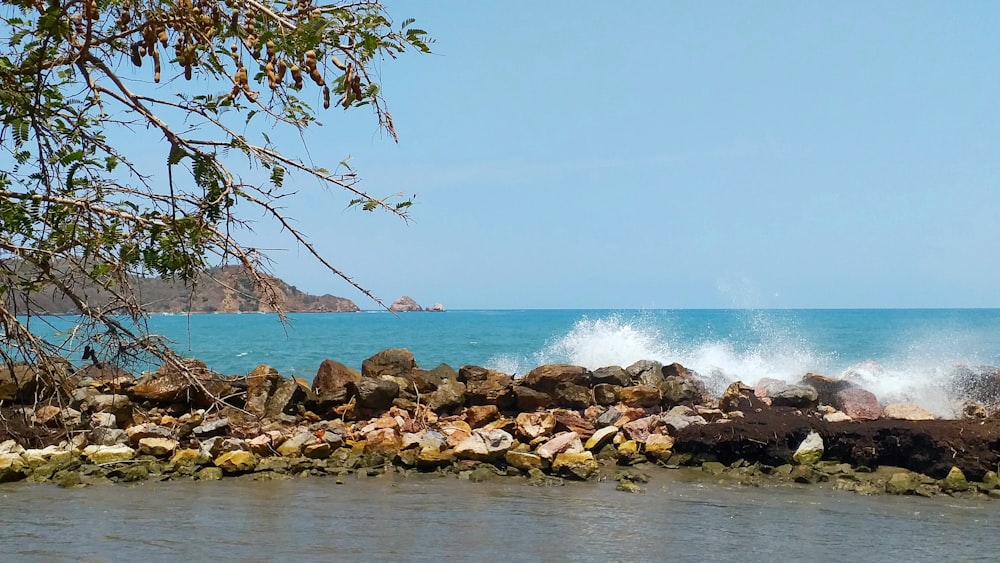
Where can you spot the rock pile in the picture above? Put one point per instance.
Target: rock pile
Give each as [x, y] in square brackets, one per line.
[557, 422]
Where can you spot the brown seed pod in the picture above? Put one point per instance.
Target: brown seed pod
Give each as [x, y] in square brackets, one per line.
[338, 63]
[326, 97]
[356, 87]
[317, 77]
[271, 49]
[163, 37]
[282, 67]
[296, 76]
[136, 57]
[188, 72]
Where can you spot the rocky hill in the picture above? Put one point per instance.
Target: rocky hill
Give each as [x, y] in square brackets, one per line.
[218, 290]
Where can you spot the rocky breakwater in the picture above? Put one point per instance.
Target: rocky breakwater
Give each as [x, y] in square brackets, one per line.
[558, 422]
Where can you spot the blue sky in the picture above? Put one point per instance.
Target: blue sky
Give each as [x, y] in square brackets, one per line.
[673, 155]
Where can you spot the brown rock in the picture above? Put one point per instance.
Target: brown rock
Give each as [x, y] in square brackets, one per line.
[481, 415]
[448, 397]
[572, 396]
[394, 362]
[611, 375]
[185, 384]
[547, 377]
[564, 442]
[738, 397]
[487, 387]
[906, 411]
[570, 421]
[332, 379]
[676, 370]
[374, 394]
[641, 396]
[530, 400]
[826, 387]
[639, 430]
[606, 394]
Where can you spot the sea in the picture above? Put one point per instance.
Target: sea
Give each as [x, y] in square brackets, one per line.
[899, 354]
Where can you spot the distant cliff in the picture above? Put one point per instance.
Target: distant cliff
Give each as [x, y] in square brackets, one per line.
[218, 290]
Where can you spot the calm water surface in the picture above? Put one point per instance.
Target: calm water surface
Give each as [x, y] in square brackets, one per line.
[430, 518]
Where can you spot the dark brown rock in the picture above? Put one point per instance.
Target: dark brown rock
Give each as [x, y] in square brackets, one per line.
[331, 381]
[529, 400]
[23, 383]
[606, 394]
[481, 415]
[269, 394]
[547, 377]
[191, 383]
[572, 396]
[395, 362]
[826, 387]
[739, 397]
[646, 372]
[487, 387]
[641, 396]
[449, 396]
[613, 375]
[678, 390]
[676, 370]
[570, 421]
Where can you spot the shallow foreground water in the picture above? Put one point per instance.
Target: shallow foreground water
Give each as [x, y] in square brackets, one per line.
[432, 518]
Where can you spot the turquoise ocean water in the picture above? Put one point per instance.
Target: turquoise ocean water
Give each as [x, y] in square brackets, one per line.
[901, 354]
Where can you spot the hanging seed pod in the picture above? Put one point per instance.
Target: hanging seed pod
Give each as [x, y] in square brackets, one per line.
[326, 97]
[296, 76]
[92, 12]
[188, 72]
[338, 63]
[356, 87]
[317, 77]
[136, 56]
[345, 100]
[282, 68]
[162, 35]
[271, 49]
[156, 65]
[240, 78]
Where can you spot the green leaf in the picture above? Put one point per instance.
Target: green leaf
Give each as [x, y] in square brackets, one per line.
[176, 155]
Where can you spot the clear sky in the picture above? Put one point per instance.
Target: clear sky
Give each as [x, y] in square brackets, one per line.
[580, 154]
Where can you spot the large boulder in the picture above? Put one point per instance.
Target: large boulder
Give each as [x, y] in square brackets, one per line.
[680, 390]
[528, 399]
[448, 397]
[484, 445]
[269, 394]
[907, 411]
[189, 381]
[534, 424]
[797, 396]
[23, 383]
[487, 387]
[331, 381]
[612, 375]
[826, 387]
[858, 404]
[547, 377]
[394, 362]
[810, 451]
[572, 396]
[646, 372]
[374, 394]
[641, 396]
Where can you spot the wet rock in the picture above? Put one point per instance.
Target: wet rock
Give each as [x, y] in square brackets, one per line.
[531, 425]
[524, 461]
[332, 380]
[659, 446]
[826, 387]
[980, 384]
[902, 483]
[528, 399]
[546, 378]
[611, 375]
[646, 372]
[810, 451]
[680, 417]
[108, 454]
[12, 467]
[487, 387]
[906, 411]
[209, 474]
[565, 442]
[382, 445]
[858, 404]
[576, 465]
[795, 396]
[606, 394]
[236, 462]
[600, 438]
[955, 481]
[739, 397]
[375, 394]
[481, 415]
[292, 447]
[641, 396]
[189, 457]
[159, 447]
[395, 362]
[679, 390]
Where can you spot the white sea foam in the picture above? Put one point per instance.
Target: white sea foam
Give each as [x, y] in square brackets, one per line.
[917, 373]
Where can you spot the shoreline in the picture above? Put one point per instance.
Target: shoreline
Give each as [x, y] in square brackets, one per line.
[557, 423]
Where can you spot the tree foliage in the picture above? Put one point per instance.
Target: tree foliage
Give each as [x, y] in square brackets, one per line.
[81, 207]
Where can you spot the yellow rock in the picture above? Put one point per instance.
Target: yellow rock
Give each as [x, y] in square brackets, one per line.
[601, 437]
[579, 465]
[523, 460]
[108, 454]
[659, 446]
[239, 461]
[189, 456]
[628, 448]
[159, 447]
